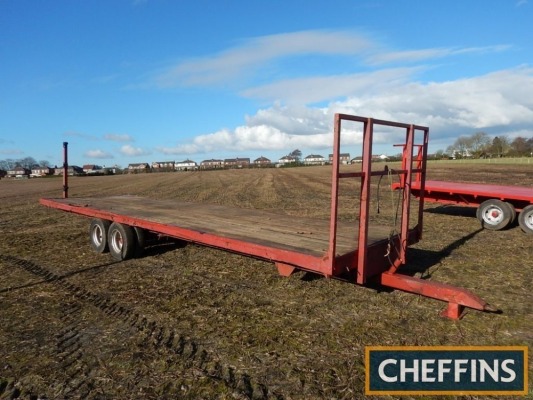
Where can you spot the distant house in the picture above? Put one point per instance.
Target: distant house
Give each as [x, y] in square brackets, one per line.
[138, 168]
[18, 172]
[92, 169]
[344, 158]
[187, 165]
[212, 164]
[160, 166]
[379, 157]
[287, 160]
[314, 159]
[41, 171]
[262, 162]
[71, 171]
[236, 162]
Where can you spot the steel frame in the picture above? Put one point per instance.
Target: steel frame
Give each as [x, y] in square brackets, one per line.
[368, 261]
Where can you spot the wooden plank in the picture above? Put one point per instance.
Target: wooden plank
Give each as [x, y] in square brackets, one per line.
[306, 235]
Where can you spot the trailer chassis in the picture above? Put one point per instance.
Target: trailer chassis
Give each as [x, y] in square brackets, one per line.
[369, 259]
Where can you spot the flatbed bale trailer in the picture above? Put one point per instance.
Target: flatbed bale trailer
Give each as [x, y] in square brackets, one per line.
[369, 254]
[497, 205]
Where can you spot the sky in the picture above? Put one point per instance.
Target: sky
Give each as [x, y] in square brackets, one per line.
[130, 81]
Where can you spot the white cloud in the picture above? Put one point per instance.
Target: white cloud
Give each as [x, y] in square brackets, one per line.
[249, 138]
[494, 100]
[429, 54]
[318, 89]
[258, 52]
[129, 150]
[118, 137]
[98, 154]
[497, 101]
[11, 152]
[80, 135]
[297, 120]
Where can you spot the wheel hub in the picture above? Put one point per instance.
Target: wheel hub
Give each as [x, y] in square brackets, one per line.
[493, 216]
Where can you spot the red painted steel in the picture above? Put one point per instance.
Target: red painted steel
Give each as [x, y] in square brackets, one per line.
[472, 194]
[436, 290]
[372, 262]
[65, 170]
[303, 261]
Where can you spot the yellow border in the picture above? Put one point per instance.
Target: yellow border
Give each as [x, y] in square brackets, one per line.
[445, 348]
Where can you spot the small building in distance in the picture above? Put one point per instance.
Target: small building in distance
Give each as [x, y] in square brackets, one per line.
[262, 162]
[18, 172]
[236, 162]
[212, 164]
[287, 160]
[186, 165]
[344, 158]
[73, 170]
[163, 166]
[39, 171]
[314, 159]
[138, 168]
[91, 169]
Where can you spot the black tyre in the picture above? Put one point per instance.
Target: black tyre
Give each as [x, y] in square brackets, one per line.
[513, 213]
[98, 235]
[140, 241]
[525, 219]
[495, 214]
[121, 240]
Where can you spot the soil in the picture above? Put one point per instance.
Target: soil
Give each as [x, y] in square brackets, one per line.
[190, 322]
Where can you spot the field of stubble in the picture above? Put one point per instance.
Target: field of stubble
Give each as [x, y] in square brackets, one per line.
[191, 322]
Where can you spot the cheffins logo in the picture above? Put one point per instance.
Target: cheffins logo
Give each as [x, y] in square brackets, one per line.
[465, 370]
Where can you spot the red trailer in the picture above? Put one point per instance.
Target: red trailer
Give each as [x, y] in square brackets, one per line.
[497, 205]
[367, 253]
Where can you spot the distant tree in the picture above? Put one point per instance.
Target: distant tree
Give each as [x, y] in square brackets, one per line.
[500, 146]
[530, 144]
[439, 154]
[463, 146]
[480, 143]
[297, 154]
[8, 164]
[450, 151]
[520, 146]
[27, 162]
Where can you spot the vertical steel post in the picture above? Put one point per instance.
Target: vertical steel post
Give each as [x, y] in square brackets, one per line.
[65, 170]
[406, 203]
[422, 180]
[364, 205]
[334, 192]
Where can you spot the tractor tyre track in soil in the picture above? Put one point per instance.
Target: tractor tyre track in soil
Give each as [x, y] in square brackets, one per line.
[72, 349]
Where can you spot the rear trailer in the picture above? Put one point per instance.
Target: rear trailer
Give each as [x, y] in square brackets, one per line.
[498, 206]
[367, 254]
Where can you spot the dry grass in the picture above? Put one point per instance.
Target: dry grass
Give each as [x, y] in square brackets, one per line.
[194, 322]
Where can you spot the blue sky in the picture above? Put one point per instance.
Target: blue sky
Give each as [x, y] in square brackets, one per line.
[127, 81]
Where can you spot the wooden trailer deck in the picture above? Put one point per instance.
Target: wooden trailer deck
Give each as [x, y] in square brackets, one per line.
[266, 233]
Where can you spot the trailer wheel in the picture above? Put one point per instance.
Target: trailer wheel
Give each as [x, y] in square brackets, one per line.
[495, 214]
[98, 235]
[140, 241]
[525, 219]
[513, 212]
[121, 240]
